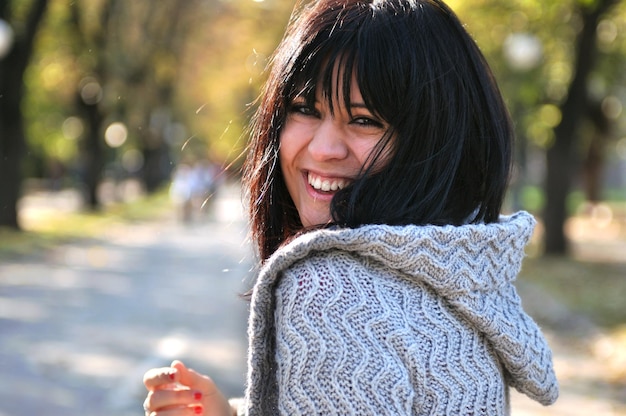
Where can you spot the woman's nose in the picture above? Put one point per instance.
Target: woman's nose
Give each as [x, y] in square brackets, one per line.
[328, 141]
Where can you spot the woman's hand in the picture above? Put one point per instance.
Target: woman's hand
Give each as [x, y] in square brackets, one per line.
[180, 391]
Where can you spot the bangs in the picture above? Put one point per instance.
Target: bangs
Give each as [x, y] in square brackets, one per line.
[330, 70]
[330, 57]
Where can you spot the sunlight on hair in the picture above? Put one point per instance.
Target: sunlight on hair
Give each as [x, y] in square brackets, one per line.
[201, 108]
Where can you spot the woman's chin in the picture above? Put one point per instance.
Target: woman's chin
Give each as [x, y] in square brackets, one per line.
[314, 219]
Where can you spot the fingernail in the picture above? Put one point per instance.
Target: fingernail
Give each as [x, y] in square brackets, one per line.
[197, 410]
[197, 395]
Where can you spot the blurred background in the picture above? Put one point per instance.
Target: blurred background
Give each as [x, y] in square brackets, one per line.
[122, 238]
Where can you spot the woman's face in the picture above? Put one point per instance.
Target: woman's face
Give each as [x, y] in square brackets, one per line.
[321, 153]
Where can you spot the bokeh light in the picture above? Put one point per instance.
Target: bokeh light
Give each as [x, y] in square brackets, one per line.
[116, 134]
[6, 38]
[612, 107]
[132, 160]
[523, 51]
[90, 91]
[72, 128]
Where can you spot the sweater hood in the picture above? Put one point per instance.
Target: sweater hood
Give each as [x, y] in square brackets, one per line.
[471, 266]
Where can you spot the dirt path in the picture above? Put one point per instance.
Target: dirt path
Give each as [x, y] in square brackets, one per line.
[584, 359]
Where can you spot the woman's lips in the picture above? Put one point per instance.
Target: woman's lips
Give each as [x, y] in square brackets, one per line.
[326, 184]
[324, 187]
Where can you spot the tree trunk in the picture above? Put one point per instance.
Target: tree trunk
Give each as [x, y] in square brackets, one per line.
[12, 140]
[561, 157]
[92, 157]
[11, 154]
[594, 158]
[90, 108]
[155, 170]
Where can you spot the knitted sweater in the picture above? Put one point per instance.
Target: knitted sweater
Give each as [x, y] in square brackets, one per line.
[397, 320]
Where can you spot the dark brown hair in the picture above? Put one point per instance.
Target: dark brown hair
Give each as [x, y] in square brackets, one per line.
[420, 71]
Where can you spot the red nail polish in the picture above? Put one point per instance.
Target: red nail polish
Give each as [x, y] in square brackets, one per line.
[197, 395]
[197, 410]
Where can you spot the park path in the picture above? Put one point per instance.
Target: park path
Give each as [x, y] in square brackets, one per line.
[80, 325]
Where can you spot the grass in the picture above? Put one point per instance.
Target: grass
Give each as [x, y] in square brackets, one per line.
[596, 290]
[47, 228]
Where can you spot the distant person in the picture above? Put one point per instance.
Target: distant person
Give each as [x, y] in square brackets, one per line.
[208, 179]
[182, 191]
[378, 162]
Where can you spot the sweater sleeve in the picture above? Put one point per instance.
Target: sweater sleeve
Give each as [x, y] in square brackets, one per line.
[329, 354]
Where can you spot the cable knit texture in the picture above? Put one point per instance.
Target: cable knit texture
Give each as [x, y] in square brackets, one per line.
[397, 320]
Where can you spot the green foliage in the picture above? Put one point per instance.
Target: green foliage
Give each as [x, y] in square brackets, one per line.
[532, 198]
[212, 58]
[223, 72]
[51, 82]
[215, 56]
[574, 201]
[534, 93]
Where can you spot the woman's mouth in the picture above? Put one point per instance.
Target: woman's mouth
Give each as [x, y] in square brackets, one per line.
[322, 184]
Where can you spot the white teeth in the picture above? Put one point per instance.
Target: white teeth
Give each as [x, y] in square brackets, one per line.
[327, 184]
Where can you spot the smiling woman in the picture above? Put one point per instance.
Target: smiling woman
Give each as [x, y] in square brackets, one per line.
[378, 161]
[422, 80]
[323, 148]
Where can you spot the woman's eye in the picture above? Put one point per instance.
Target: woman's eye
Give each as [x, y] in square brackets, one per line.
[302, 109]
[367, 122]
